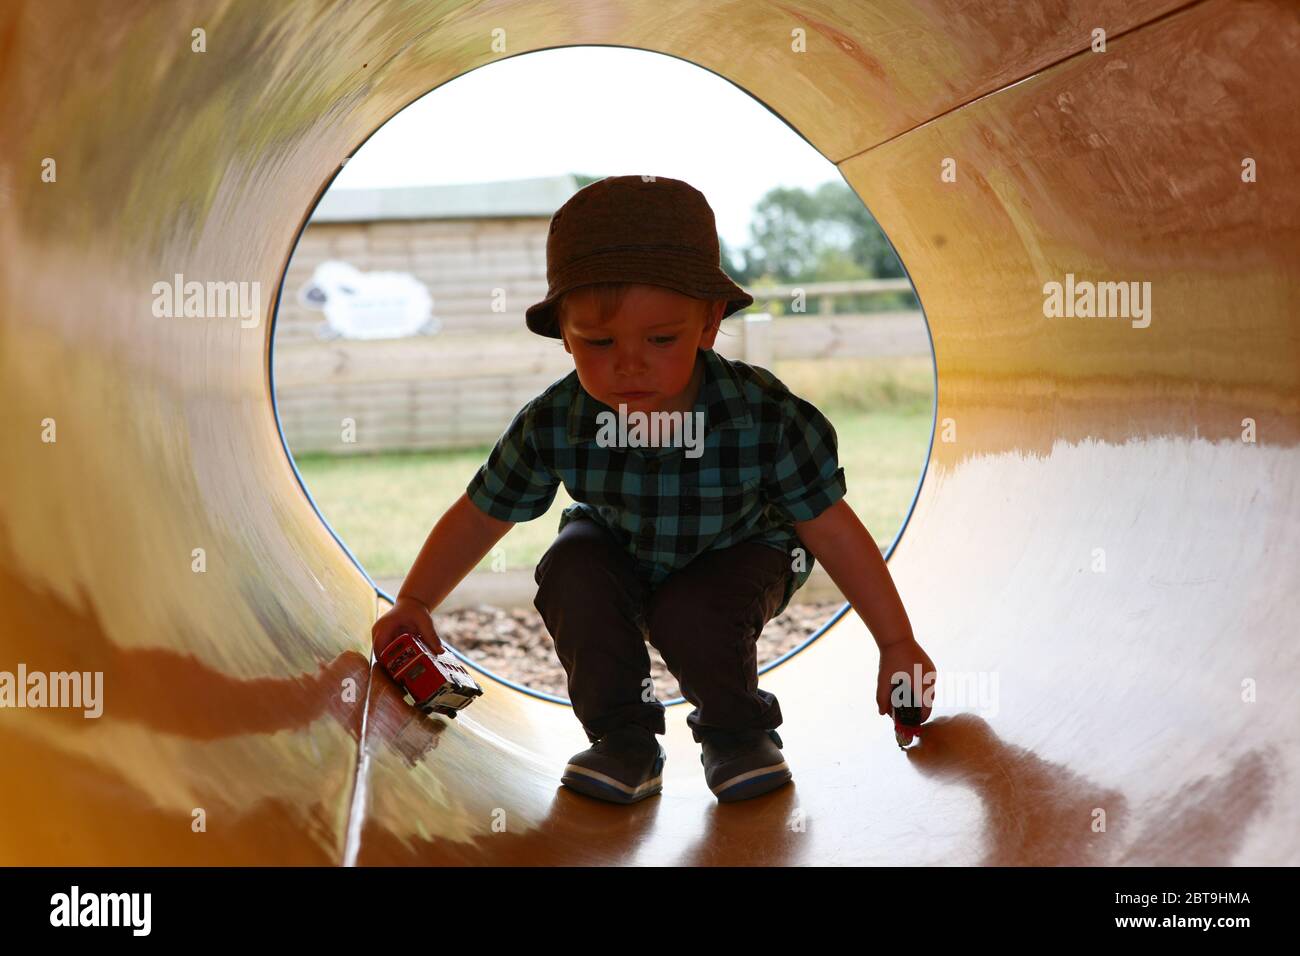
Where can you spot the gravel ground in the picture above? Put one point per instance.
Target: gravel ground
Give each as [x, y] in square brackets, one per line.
[516, 645]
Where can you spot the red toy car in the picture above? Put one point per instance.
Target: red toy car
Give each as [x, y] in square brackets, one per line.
[438, 683]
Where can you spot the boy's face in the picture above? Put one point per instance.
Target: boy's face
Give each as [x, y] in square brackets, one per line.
[647, 347]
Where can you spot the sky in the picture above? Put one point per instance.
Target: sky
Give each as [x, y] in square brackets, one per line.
[602, 111]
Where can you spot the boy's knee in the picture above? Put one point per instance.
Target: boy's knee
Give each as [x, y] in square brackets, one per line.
[569, 550]
[582, 559]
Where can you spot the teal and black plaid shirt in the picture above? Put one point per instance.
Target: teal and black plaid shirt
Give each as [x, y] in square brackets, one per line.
[769, 458]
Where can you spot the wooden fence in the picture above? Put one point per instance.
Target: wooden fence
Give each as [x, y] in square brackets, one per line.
[460, 390]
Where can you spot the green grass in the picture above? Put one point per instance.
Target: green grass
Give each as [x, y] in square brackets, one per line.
[383, 506]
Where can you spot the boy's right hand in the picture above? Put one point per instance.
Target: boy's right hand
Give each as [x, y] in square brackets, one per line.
[407, 614]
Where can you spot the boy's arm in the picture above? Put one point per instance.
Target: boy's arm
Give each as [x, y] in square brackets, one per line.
[840, 542]
[851, 557]
[804, 479]
[455, 546]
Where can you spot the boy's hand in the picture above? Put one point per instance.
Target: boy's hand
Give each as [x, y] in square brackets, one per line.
[903, 658]
[407, 614]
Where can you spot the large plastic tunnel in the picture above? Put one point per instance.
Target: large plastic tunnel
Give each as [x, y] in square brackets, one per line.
[1105, 547]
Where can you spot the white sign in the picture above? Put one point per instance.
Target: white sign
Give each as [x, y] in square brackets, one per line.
[369, 305]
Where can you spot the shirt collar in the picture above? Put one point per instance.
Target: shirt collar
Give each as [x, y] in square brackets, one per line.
[721, 398]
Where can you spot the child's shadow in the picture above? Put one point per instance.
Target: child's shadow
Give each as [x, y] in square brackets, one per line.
[1039, 813]
[1036, 813]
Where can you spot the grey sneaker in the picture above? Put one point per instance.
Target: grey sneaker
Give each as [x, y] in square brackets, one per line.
[625, 766]
[739, 764]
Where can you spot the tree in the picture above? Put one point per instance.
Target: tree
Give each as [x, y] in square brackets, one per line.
[867, 244]
[798, 236]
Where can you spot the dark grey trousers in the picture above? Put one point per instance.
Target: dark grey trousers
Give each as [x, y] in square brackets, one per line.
[704, 619]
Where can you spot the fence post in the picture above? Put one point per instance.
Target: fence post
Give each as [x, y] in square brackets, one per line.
[758, 339]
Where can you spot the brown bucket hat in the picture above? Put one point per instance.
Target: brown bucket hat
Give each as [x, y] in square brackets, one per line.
[644, 229]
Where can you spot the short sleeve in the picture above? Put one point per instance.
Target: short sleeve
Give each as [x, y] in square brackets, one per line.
[514, 483]
[805, 477]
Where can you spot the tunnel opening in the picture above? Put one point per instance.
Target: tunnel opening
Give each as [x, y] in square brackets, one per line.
[342, 263]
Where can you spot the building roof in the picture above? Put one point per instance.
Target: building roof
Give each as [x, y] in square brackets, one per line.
[503, 199]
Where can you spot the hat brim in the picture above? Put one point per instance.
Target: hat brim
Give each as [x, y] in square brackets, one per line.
[699, 280]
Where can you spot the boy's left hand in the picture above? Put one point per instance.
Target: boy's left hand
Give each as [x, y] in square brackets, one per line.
[903, 657]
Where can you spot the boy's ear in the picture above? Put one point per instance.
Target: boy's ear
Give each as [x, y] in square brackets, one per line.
[559, 324]
[712, 322]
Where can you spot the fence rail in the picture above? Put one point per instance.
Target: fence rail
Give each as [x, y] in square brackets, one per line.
[461, 390]
[827, 294]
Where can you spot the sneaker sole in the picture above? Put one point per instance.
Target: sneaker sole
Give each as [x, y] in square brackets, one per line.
[753, 783]
[593, 783]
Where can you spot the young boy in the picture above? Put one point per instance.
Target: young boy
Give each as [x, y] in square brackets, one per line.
[692, 541]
